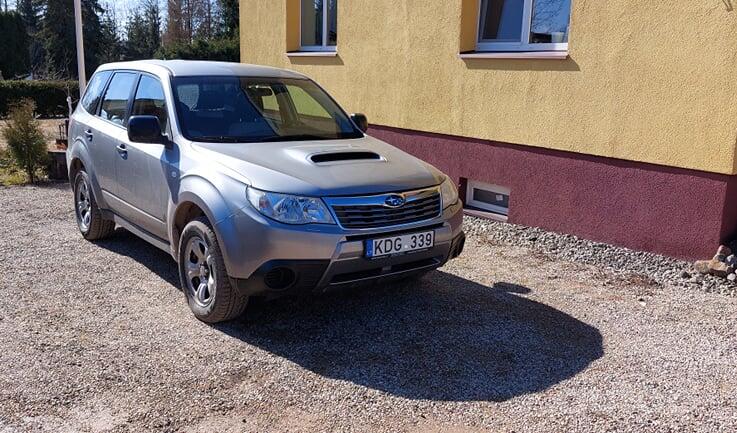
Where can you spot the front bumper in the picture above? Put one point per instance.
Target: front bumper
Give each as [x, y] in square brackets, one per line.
[270, 259]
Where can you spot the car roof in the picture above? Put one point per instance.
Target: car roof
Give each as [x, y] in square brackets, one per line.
[189, 68]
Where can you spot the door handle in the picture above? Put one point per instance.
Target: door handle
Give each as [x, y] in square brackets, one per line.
[122, 150]
[89, 134]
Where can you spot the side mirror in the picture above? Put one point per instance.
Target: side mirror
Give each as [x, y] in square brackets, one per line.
[360, 120]
[145, 129]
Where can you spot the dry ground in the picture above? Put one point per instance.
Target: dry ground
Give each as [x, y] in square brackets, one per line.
[50, 128]
[97, 337]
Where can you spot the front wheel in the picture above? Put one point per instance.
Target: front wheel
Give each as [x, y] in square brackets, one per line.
[202, 273]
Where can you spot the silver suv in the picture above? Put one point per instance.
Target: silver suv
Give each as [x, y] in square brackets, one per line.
[254, 180]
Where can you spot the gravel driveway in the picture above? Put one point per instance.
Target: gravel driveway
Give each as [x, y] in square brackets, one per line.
[97, 337]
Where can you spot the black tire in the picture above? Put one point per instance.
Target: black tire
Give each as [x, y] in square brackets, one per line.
[90, 221]
[225, 303]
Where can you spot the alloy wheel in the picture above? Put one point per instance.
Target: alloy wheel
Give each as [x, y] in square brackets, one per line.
[200, 271]
[84, 206]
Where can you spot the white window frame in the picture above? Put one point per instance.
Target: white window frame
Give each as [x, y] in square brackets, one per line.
[496, 189]
[325, 24]
[524, 44]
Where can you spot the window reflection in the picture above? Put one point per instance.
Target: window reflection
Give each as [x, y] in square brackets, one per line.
[550, 20]
[501, 20]
[312, 22]
[332, 22]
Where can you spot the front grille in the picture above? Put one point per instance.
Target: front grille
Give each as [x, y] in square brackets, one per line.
[371, 212]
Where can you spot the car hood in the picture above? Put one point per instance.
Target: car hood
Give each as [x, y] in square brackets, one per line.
[291, 167]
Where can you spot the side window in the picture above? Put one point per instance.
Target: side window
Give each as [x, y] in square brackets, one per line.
[115, 102]
[310, 111]
[305, 104]
[150, 100]
[264, 97]
[94, 91]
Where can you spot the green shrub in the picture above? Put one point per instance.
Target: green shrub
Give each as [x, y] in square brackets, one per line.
[25, 139]
[50, 97]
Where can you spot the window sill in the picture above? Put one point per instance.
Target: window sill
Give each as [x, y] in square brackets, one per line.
[312, 54]
[551, 55]
[484, 214]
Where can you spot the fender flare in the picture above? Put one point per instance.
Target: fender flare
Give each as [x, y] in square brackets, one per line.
[79, 151]
[208, 199]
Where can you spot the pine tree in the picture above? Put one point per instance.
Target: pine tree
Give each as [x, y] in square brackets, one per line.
[111, 46]
[13, 45]
[229, 17]
[30, 11]
[57, 36]
[152, 19]
[143, 32]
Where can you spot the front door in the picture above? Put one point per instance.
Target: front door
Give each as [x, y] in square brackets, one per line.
[144, 169]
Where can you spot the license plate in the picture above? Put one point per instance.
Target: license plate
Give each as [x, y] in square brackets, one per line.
[399, 244]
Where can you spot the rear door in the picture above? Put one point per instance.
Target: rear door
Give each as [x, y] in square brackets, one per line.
[143, 172]
[111, 133]
[86, 127]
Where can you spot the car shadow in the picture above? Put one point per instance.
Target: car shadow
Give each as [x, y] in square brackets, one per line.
[127, 244]
[442, 338]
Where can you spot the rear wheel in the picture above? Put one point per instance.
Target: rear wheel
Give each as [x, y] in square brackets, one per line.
[205, 283]
[89, 218]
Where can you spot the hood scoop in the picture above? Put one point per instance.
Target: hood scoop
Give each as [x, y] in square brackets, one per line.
[349, 156]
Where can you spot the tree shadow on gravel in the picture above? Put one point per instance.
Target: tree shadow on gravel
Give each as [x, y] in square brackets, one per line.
[439, 338]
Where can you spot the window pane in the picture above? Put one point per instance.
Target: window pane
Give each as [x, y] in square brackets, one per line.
[550, 20]
[258, 109]
[150, 100]
[501, 20]
[94, 91]
[311, 22]
[332, 22]
[264, 98]
[115, 103]
[306, 104]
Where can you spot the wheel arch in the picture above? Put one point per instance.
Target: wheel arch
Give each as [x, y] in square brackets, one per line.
[205, 202]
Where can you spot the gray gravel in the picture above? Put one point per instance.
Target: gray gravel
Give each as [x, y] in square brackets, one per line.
[619, 260]
[97, 337]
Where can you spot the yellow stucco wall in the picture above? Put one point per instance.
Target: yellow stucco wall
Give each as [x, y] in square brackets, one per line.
[645, 80]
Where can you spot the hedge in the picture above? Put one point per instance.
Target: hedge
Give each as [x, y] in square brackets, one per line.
[225, 49]
[50, 96]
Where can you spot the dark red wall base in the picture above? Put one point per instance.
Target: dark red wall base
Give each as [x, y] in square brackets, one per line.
[676, 212]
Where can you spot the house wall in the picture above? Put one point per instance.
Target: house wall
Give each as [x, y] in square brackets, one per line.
[630, 140]
[645, 81]
[673, 211]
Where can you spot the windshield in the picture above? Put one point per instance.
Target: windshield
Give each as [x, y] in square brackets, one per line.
[240, 109]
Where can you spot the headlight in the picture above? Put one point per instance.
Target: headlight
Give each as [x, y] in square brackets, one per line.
[448, 192]
[289, 209]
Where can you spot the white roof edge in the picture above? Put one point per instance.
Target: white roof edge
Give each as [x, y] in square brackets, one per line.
[202, 68]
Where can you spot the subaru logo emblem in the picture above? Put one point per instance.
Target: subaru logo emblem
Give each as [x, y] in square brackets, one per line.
[394, 200]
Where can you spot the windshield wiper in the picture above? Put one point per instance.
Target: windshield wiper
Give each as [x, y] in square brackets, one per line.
[222, 139]
[273, 138]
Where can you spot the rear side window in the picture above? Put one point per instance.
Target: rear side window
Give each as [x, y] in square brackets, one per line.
[94, 91]
[115, 102]
[150, 100]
